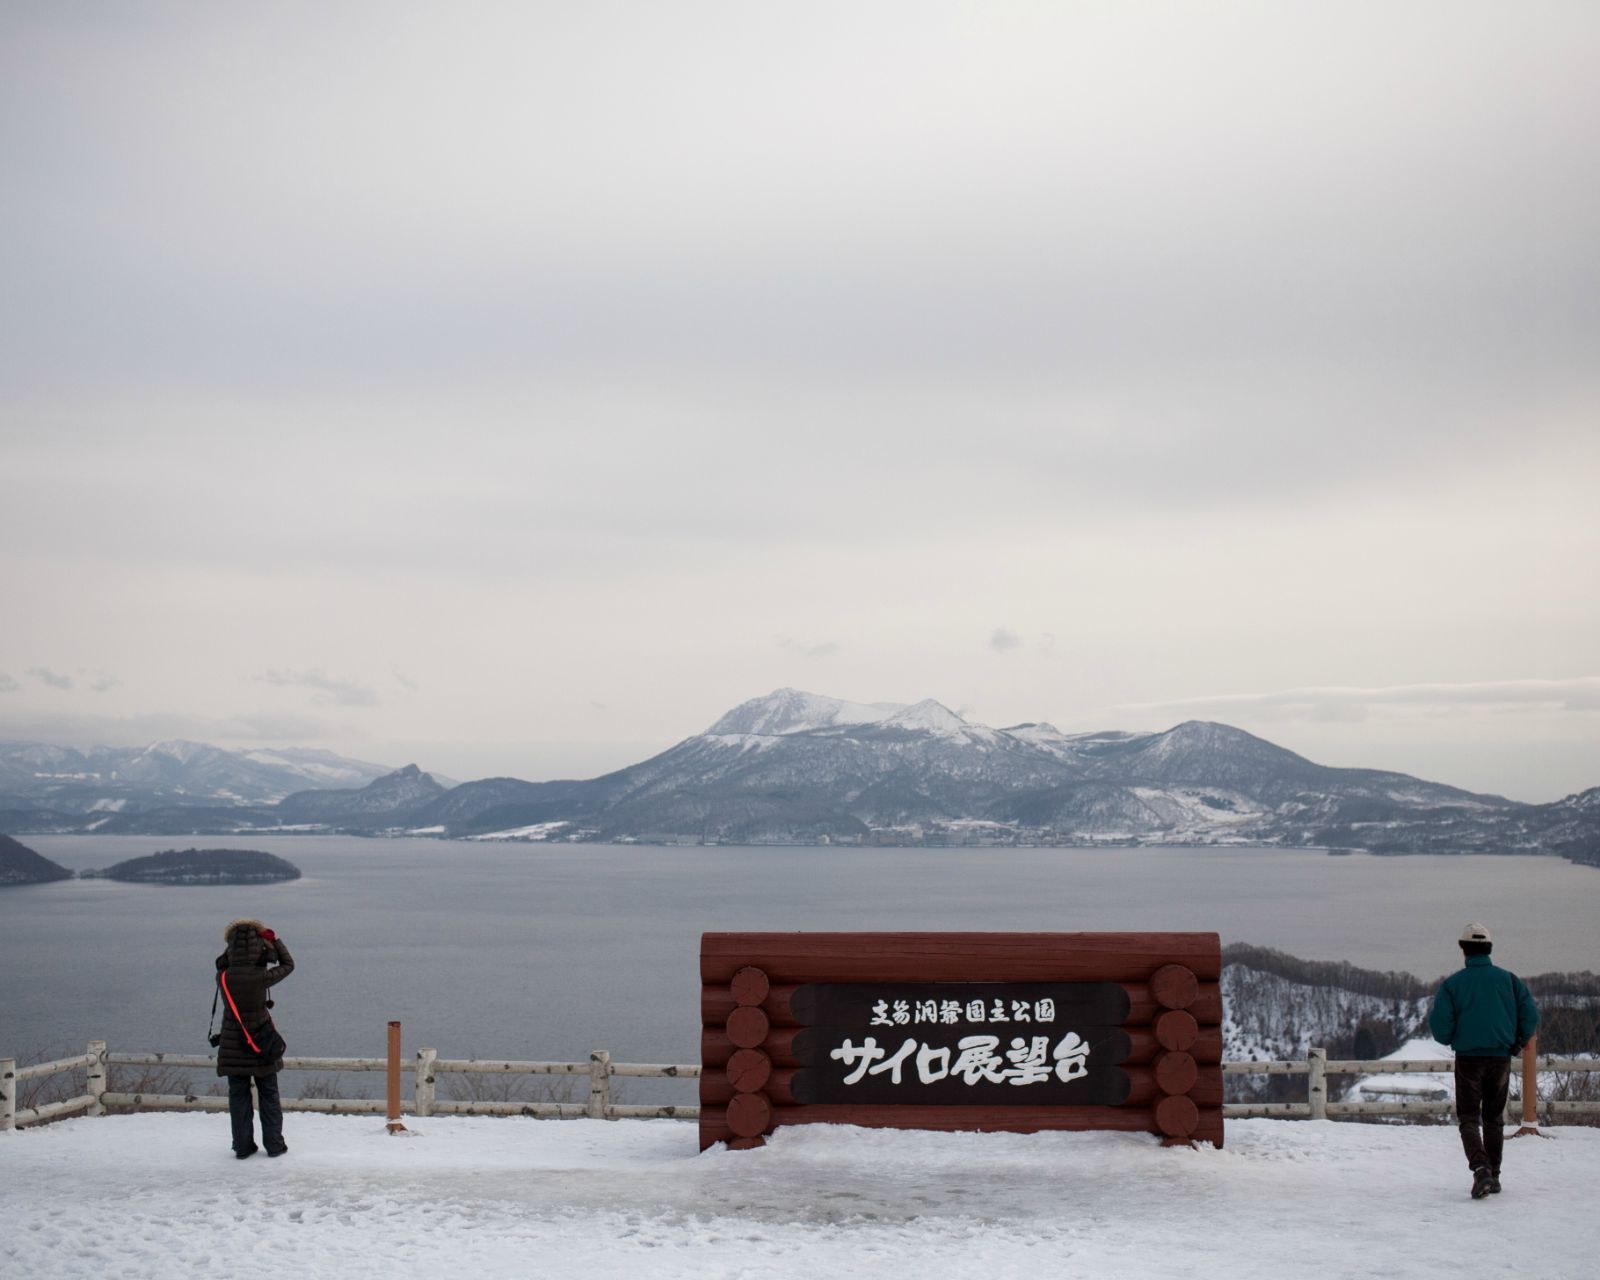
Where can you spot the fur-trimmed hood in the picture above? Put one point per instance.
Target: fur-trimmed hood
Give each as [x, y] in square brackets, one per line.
[227, 934]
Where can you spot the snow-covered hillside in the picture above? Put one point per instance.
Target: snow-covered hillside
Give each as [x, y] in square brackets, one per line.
[1270, 1017]
[480, 1199]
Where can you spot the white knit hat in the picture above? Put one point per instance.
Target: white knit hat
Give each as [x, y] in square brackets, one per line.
[1475, 933]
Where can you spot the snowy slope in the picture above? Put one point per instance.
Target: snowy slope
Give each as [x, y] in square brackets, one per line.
[480, 1199]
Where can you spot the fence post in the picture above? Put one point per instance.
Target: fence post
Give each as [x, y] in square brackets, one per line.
[1317, 1083]
[8, 1094]
[97, 1077]
[425, 1061]
[599, 1084]
[394, 1124]
[1530, 1091]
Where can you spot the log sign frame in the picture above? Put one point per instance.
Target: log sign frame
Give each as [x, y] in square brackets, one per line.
[1013, 1032]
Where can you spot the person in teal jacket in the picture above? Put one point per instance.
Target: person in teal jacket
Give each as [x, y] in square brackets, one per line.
[1486, 1015]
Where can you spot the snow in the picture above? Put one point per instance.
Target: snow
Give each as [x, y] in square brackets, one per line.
[928, 716]
[537, 831]
[161, 1195]
[1410, 1085]
[785, 711]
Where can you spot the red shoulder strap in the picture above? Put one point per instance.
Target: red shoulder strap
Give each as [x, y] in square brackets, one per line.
[222, 977]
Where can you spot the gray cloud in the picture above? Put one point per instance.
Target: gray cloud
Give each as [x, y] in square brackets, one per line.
[138, 730]
[1248, 347]
[103, 682]
[8, 684]
[52, 678]
[1003, 641]
[327, 690]
[808, 648]
[1334, 703]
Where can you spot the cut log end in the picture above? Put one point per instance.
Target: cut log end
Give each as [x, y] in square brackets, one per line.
[1176, 1030]
[1177, 1117]
[749, 1070]
[1174, 986]
[1176, 1073]
[747, 1027]
[750, 986]
[749, 1115]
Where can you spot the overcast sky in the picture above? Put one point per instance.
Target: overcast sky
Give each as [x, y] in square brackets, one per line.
[516, 388]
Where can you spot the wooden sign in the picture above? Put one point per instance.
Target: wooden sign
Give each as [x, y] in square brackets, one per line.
[985, 1031]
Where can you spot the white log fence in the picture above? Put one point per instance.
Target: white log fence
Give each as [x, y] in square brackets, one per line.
[599, 1071]
[1317, 1067]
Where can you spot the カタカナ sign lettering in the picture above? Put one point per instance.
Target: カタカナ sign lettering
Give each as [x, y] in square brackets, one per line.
[1017, 1032]
[1003, 1044]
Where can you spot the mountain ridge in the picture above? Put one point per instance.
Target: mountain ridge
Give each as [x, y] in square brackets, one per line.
[793, 767]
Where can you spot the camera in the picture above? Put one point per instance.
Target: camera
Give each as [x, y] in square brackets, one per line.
[215, 1038]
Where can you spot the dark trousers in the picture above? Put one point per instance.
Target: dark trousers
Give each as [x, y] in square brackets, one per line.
[1481, 1086]
[239, 1112]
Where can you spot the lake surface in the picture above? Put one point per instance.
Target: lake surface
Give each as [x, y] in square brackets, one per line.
[549, 951]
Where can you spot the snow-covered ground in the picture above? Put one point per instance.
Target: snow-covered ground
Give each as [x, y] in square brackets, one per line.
[161, 1195]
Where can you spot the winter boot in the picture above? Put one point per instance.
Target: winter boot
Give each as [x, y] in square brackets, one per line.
[1482, 1182]
[1494, 1182]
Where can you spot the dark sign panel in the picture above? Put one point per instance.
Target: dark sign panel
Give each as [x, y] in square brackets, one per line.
[993, 1032]
[961, 1043]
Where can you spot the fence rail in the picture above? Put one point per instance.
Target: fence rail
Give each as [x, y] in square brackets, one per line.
[427, 1066]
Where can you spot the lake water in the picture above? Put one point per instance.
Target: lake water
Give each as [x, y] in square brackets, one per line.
[549, 951]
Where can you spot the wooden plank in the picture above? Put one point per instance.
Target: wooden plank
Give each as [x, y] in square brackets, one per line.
[52, 1110]
[646, 1111]
[42, 1070]
[657, 1070]
[957, 957]
[1276, 1067]
[714, 1126]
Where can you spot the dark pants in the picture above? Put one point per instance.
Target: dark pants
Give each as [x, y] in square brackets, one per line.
[1481, 1085]
[243, 1122]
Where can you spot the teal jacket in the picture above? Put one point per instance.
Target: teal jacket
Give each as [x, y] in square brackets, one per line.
[1483, 1012]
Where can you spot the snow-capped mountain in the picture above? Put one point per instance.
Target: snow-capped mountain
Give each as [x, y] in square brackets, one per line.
[795, 767]
[175, 772]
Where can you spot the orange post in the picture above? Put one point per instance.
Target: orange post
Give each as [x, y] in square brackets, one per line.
[394, 1079]
[1530, 1092]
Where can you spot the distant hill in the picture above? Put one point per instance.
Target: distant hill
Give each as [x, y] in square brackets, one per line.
[99, 782]
[1277, 1006]
[21, 865]
[800, 768]
[200, 867]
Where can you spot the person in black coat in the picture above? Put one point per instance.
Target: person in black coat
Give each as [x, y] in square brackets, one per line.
[255, 961]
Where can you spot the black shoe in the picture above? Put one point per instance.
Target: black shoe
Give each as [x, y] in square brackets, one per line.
[1482, 1183]
[1494, 1183]
[245, 1155]
[278, 1151]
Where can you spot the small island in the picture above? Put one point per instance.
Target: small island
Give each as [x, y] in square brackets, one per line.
[21, 865]
[200, 866]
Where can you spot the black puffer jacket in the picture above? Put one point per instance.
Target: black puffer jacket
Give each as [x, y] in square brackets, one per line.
[253, 966]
